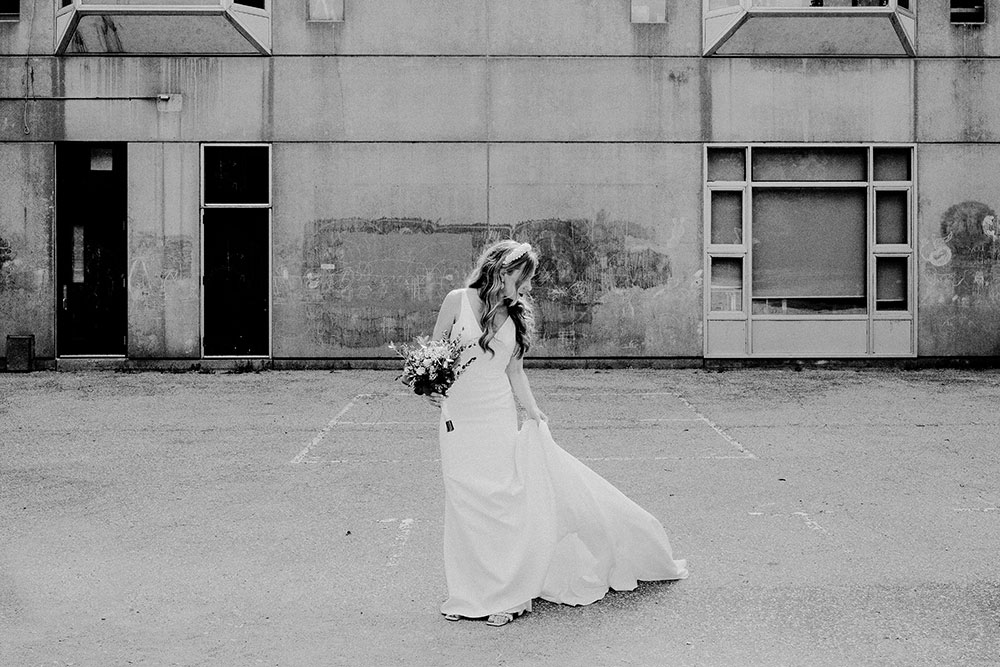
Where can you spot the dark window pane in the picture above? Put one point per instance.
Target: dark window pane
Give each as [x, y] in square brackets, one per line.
[890, 217]
[10, 10]
[237, 175]
[848, 305]
[236, 281]
[727, 217]
[890, 283]
[809, 242]
[892, 164]
[256, 4]
[820, 3]
[727, 284]
[968, 11]
[810, 164]
[726, 164]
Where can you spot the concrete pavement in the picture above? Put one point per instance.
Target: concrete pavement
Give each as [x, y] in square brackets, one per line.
[829, 517]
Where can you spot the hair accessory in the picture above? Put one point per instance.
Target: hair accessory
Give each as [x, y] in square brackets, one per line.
[516, 253]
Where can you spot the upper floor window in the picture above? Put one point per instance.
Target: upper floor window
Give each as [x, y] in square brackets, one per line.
[649, 11]
[968, 11]
[326, 10]
[10, 10]
[163, 26]
[809, 27]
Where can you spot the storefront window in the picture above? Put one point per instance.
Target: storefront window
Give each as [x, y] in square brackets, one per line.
[808, 233]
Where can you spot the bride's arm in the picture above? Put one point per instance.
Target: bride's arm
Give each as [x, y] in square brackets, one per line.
[442, 329]
[522, 390]
[447, 315]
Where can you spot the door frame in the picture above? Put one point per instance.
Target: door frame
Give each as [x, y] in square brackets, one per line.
[270, 248]
[56, 236]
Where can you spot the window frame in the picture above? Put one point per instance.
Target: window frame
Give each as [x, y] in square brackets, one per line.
[720, 23]
[873, 250]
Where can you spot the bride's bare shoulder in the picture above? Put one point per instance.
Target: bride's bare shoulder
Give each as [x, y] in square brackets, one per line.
[453, 301]
[455, 296]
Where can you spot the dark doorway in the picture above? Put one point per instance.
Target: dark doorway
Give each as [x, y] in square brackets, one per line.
[237, 281]
[91, 249]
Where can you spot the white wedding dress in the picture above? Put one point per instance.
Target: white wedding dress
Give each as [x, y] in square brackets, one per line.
[523, 518]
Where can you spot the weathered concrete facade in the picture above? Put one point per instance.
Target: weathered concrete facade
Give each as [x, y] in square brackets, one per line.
[410, 134]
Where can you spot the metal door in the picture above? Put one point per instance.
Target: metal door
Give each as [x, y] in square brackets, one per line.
[91, 216]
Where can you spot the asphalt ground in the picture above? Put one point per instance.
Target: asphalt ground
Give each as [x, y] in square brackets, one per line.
[829, 517]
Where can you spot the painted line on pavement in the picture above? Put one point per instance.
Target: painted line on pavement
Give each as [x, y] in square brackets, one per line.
[381, 423]
[975, 509]
[806, 519]
[747, 454]
[326, 429]
[402, 537]
[581, 394]
[709, 457]
[671, 419]
[812, 524]
[574, 422]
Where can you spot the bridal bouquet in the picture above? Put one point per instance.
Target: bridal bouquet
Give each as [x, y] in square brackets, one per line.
[430, 367]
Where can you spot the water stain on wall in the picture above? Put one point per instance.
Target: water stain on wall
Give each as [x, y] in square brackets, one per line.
[960, 297]
[163, 295]
[363, 283]
[6, 255]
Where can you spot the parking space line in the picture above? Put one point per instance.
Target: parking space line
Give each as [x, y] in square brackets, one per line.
[810, 523]
[585, 459]
[326, 429]
[975, 509]
[402, 537]
[575, 422]
[747, 454]
[382, 423]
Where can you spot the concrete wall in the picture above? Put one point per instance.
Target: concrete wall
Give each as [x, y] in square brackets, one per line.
[164, 311]
[27, 294]
[959, 259]
[413, 133]
[368, 239]
[618, 228]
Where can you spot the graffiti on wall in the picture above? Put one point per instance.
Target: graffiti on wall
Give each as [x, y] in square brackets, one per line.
[960, 295]
[359, 284]
[25, 282]
[581, 263]
[966, 255]
[17, 272]
[6, 255]
[162, 294]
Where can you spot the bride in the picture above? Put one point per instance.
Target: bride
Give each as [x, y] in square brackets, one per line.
[523, 518]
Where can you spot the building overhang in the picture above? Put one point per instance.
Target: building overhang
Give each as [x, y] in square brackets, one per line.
[784, 27]
[163, 27]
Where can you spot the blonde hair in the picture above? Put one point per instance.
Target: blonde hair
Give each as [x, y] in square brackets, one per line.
[502, 257]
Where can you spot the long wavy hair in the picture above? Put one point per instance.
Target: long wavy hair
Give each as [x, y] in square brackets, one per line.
[487, 279]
